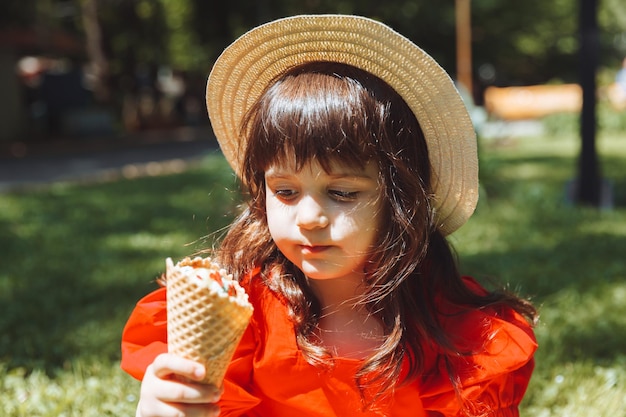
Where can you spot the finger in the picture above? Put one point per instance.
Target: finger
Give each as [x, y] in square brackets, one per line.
[167, 364]
[162, 409]
[174, 391]
[205, 410]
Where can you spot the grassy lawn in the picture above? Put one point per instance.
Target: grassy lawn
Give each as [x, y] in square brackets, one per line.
[75, 259]
[569, 260]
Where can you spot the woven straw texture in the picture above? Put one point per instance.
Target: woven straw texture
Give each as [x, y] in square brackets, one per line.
[251, 63]
[202, 326]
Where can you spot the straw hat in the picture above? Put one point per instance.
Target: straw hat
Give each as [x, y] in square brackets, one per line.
[257, 58]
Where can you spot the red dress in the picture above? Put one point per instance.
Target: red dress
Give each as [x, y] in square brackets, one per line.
[269, 376]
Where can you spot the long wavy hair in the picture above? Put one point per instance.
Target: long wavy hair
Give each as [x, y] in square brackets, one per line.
[333, 112]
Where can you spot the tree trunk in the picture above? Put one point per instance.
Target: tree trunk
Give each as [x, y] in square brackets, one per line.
[98, 63]
[589, 183]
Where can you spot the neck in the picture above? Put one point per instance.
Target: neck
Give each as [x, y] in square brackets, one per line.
[346, 328]
[340, 294]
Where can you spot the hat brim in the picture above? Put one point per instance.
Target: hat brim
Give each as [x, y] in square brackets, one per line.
[257, 58]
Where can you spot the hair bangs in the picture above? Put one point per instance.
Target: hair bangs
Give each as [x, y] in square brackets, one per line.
[313, 114]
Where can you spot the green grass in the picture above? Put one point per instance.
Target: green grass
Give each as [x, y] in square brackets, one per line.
[569, 260]
[75, 259]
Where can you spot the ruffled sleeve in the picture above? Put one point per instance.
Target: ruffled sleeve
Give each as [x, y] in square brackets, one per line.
[145, 335]
[494, 377]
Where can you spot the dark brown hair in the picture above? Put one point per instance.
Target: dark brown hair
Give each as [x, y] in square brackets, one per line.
[327, 112]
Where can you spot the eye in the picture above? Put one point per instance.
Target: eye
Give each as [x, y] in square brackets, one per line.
[341, 195]
[285, 193]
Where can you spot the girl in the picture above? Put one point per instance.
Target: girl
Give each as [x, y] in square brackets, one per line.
[359, 158]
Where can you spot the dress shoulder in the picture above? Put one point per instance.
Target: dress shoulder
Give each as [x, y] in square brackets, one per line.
[498, 346]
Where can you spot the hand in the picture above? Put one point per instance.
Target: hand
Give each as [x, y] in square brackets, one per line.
[169, 390]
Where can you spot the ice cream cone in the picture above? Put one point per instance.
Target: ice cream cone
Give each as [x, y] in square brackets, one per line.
[203, 323]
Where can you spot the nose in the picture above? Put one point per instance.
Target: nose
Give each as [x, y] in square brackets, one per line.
[311, 214]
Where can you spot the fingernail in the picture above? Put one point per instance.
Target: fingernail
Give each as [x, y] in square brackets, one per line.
[199, 372]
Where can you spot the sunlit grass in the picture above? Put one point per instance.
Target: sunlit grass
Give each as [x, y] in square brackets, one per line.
[82, 389]
[76, 258]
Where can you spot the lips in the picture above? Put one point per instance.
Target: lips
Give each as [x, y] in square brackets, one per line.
[314, 249]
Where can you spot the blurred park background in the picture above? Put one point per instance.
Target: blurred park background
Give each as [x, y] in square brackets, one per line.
[97, 75]
[93, 68]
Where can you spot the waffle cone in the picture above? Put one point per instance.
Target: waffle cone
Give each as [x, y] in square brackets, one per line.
[202, 325]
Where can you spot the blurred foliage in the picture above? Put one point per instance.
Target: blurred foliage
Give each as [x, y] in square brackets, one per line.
[514, 42]
[609, 121]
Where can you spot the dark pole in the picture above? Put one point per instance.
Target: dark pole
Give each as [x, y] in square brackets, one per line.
[589, 182]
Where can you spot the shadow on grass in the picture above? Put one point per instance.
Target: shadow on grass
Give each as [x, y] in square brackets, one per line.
[579, 287]
[77, 258]
[497, 175]
[580, 263]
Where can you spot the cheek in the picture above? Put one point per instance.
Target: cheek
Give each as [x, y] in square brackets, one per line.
[370, 217]
[361, 227]
[277, 219]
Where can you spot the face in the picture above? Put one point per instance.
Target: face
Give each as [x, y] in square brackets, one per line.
[324, 222]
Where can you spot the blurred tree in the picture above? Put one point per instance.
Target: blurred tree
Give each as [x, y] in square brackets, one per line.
[184, 46]
[612, 21]
[17, 13]
[134, 40]
[514, 42]
[99, 64]
[527, 42]
[588, 182]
